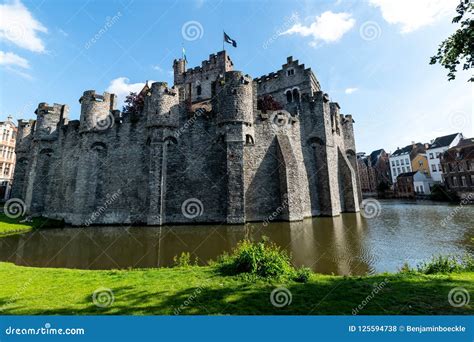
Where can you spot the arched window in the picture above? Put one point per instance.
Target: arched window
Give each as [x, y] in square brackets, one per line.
[249, 140]
[296, 95]
[289, 97]
[199, 90]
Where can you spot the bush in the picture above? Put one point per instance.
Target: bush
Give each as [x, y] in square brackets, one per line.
[302, 275]
[262, 259]
[442, 264]
[184, 260]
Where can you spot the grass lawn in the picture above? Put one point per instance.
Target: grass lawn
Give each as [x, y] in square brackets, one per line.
[203, 290]
[13, 226]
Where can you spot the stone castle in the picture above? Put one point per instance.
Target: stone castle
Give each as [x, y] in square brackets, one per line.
[206, 150]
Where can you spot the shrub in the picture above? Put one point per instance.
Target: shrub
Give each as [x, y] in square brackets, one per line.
[184, 260]
[442, 264]
[262, 259]
[302, 275]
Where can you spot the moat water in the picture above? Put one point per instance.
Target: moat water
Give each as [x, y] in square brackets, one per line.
[404, 231]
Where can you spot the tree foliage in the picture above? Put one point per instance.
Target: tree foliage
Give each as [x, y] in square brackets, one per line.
[133, 103]
[459, 47]
[267, 103]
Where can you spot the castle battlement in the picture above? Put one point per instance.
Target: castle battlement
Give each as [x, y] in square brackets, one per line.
[204, 139]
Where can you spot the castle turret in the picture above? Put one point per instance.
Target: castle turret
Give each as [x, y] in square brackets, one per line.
[161, 106]
[162, 112]
[234, 106]
[96, 111]
[179, 67]
[48, 118]
[24, 135]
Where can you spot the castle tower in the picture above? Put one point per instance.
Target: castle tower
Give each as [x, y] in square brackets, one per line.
[23, 146]
[96, 111]
[179, 67]
[162, 112]
[234, 104]
[48, 118]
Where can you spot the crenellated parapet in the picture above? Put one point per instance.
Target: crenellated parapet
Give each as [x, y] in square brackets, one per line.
[24, 135]
[206, 142]
[96, 111]
[162, 106]
[234, 99]
[47, 120]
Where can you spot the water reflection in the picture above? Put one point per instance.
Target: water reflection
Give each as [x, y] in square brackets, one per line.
[347, 244]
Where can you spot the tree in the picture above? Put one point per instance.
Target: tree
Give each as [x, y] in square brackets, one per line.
[460, 45]
[268, 103]
[133, 103]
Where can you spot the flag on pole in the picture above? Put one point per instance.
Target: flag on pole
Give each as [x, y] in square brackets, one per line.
[184, 55]
[229, 40]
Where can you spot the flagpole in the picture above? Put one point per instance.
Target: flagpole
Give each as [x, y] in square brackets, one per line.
[223, 42]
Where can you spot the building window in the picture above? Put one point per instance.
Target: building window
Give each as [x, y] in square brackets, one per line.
[398, 170]
[455, 181]
[472, 180]
[402, 162]
[439, 168]
[437, 154]
[393, 163]
[431, 155]
[296, 95]
[289, 97]
[463, 181]
[198, 90]
[406, 161]
[433, 167]
[290, 72]
[398, 162]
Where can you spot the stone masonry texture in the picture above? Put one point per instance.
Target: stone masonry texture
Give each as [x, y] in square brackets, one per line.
[199, 152]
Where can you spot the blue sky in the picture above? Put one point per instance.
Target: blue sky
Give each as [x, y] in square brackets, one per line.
[371, 57]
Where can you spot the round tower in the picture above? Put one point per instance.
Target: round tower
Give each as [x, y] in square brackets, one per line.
[161, 106]
[234, 105]
[48, 118]
[96, 110]
[179, 67]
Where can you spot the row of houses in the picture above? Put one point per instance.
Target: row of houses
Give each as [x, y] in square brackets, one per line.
[415, 169]
[7, 156]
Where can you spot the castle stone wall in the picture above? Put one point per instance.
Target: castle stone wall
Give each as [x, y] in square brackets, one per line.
[223, 162]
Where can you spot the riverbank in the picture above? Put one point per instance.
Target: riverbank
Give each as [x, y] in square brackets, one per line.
[9, 226]
[203, 290]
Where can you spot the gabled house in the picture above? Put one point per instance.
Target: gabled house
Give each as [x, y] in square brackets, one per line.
[434, 151]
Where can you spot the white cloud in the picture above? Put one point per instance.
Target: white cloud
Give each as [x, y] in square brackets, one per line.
[413, 14]
[350, 90]
[11, 59]
[328, 27]
[121, 87]
[18, 26]
[157, 68]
